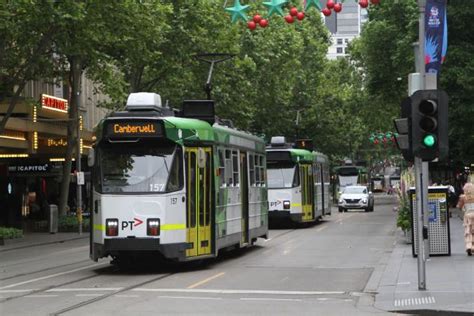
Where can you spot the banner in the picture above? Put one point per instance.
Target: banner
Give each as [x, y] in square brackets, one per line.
[436, 35]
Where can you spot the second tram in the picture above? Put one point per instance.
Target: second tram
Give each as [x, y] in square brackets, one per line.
[298, 182]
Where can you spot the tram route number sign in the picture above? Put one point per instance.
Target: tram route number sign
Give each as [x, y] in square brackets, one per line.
[134, 128]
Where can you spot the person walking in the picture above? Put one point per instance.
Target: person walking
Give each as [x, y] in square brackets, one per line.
[466, 204]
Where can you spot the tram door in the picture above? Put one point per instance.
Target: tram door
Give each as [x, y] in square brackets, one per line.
[244, 190]
[307, 195]
[198, 197]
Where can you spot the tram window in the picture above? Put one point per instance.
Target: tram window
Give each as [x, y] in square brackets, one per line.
[235, 167]
[262, 171]
[228, 167]
[252, 169]
[296, 179]
[192, 191]
[176, 173]
[221, 168]
[208, 191]
[257, 172]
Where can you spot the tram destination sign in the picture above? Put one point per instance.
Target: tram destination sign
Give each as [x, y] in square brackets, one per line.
[133, 129]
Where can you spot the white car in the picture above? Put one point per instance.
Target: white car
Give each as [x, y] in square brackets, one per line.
[356, 197]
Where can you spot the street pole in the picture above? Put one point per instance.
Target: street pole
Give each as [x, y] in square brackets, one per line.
[421, 168]
[78, 164]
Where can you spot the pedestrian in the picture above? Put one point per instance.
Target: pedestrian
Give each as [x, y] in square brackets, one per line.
[466, 204]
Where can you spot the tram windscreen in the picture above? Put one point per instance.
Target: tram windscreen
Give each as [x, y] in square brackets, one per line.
[140, 169]
[282, 176]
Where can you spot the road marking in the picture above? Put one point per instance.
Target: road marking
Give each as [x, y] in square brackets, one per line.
[206, 280]
[216, 291]
[321, 228]
[414, 301]
[52, 275]
[41, 296]
[89, 295]
[81, 289]
[346, 217]
[18, 291]
[270, 299]
[126, 295]
[191, 297]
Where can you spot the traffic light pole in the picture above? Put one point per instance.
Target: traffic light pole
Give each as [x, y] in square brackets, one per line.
[421, 168]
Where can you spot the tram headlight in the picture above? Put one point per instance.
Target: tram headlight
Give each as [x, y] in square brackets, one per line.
[286, 205]
[153, 227]
[111, 226]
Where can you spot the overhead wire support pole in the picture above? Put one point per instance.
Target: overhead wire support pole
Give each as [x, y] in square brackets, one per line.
[78, 165]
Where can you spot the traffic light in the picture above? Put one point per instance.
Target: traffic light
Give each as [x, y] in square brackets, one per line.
[403, 134]
[429, 124]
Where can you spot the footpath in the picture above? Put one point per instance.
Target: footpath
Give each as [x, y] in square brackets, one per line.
[40, 239]
[449, 279]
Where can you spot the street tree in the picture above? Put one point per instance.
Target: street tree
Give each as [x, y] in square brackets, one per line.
[24, 56]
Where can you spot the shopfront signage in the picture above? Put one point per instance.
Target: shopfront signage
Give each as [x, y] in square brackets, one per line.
[53, 103]
[29, 168]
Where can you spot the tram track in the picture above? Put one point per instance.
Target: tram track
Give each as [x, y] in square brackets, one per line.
[102, 297]
[43, 270]
[47, 288]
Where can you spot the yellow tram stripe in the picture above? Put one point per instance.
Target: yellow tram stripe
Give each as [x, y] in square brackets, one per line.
[172, 226]
[295, 204]
[99, 227]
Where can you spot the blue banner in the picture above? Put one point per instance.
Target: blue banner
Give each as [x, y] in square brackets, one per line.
[436, 35]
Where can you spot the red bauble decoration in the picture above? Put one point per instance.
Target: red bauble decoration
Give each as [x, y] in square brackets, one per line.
[364, 3]
[293, 11]
[263, 22]
[300, 16]
[375, 2]
[289, 19]
[326, 11]
[257, 18]
[330, 4]
[338, 7]
[251, 25]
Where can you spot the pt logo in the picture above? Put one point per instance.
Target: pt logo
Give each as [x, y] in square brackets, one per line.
[131, 224]
[275, 203]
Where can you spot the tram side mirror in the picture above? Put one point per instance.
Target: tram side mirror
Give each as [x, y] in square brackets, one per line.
[201, 158]
[91, 157]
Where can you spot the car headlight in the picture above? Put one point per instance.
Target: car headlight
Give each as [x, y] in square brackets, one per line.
[364, 200]
[341, 201]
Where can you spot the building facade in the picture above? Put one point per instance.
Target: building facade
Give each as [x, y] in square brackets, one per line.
[33, 147]
[344, 27]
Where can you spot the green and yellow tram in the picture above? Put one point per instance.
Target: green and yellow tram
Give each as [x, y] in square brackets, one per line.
[183, 187]
[298, 181]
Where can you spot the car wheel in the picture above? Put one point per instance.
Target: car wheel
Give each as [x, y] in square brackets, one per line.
[367, 209]
[341, 210]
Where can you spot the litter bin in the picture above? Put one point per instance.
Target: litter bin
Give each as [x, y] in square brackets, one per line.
[53, 218]
[438, 221]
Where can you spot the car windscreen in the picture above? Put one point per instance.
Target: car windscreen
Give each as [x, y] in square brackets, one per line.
[140, 169]
[354, 190]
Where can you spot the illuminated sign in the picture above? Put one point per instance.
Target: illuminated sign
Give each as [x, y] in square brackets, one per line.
[56, 142]
[29, 168]
[53, 103]
[129, 128]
